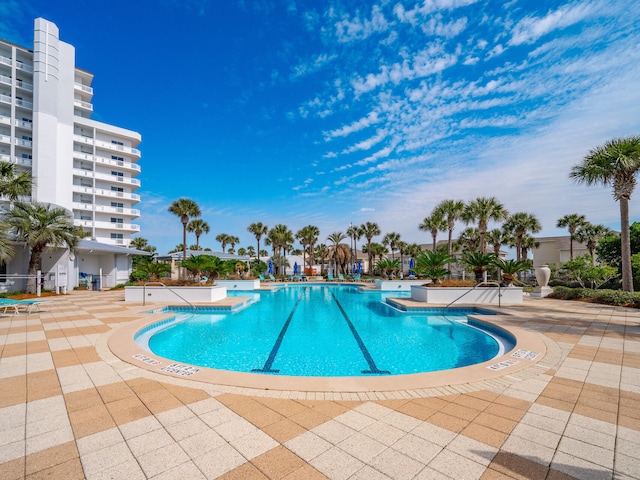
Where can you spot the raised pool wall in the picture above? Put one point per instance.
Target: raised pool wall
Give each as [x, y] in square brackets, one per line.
[175, 295]
[239, 284]
[398, 285]
[480, 295]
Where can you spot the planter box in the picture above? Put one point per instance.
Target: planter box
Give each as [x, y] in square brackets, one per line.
[398, 285]
[175, 295]
[239, 284]
[480, 295]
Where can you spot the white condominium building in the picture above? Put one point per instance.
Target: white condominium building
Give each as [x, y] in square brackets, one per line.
[83, 165]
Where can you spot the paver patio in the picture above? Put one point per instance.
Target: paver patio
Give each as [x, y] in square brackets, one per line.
[71, 409]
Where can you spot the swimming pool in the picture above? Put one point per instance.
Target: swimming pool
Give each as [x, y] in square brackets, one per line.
[324, 331]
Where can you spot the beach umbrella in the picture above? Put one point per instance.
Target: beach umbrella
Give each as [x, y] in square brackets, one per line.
[270, 265]
[353, 270]
[360, 267]
[412, 264]
[295, 268]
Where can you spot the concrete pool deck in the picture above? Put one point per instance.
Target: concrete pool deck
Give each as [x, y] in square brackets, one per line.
[71, 409]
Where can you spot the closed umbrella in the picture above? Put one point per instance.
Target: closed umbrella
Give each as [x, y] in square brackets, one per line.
[412, 264]
[295, 268]
[270, 265]
[360, 267]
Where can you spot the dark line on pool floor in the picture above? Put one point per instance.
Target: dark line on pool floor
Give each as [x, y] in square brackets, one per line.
[276, 346]
[373, 369]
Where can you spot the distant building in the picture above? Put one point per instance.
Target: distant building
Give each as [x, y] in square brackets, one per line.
[85, 166]
[556, 250]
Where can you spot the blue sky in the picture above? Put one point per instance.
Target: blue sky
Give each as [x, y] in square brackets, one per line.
[338, 112]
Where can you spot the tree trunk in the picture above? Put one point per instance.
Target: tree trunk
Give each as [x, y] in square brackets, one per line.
[32, 271]
[625, 245]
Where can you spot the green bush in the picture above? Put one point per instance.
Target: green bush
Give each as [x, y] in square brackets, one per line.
[607, 297]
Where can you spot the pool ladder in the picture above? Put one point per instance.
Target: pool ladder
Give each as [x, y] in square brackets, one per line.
[144, 293]
[444, 309]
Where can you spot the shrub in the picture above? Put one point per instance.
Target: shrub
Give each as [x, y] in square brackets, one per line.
[607, 297]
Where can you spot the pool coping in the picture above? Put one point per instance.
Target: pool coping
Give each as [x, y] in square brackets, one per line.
[532, 347]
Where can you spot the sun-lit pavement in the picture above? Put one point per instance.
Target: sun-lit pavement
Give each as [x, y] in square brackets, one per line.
[69, 409]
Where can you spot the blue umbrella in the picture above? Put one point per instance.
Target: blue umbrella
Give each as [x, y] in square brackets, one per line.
[412, 264]
[360, 267]
[353, 270]
[295, 268]
[270, 265]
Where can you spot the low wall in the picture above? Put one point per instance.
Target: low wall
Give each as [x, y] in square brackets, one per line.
[175, 295]
[481, 295]
[239, 284]
[398, 284]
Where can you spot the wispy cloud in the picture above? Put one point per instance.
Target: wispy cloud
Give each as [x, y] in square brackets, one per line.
[357, 28]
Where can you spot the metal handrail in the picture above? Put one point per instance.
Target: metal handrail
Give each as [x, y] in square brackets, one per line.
[471, 290]
[144, 294]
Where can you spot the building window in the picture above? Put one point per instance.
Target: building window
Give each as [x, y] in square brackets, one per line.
[117, 205]
[117, 189]
[117, 174]
[116, 220]
[115, 157]
[85, 217]
[115, 142]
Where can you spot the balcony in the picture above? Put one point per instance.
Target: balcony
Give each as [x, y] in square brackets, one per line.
[118, 163]
[24, 124]
[90, 207]
[23, 66]
[5, 60]
[5, 120]
[24, 85]
[119, 148]
[5, 158]
[22, 142]
[102, 192]
[5, 98]
[131, 227]
[4, 79]
[84, 105]
[24, 103]
[25, 162]
[83, 88]
[5, 139]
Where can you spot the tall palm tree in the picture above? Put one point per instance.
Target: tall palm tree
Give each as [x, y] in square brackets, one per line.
[308, 236]
[497, 237]
[450, 210]
[469, 239]
[184, 208]
[434, 223]
[370, 230]
[139, 243]
[390, 240]
[616, 163]
[377, 249]
[280, 237]
[335, 238]
[223, 238]
[39, 225]
[483, 210]
[519, 224]
[258, 230]
[232, 240]
[590, 235]
[355, 233]
[13, 184]
[198, 226]
[571, 221]
[322, 252]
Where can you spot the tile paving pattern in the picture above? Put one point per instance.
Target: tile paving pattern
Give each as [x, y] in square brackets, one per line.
[68, 410]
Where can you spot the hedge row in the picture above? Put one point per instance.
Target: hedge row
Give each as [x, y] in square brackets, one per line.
[608, 297]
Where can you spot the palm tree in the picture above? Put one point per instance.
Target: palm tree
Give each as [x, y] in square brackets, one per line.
[450, 210]
[322, 252]
[279, 237]
[434, 223]
[518, 225]
[377, 249]
[616, 163]
[250, 252]
[571, 221]
[184, 208]
[390, 240]
[469, 239]
[308, 236]
[223, 238]
[478, 262]
[402, 249]
[528, 243]
[335, 238]
[483, 210]
[139, 243]
[13, 184]
[590, 235]
[355, 233]
[198, 226]
[432, 264]
[233, 240]
[370, 230]
[497, 237]
[258, 230]
[39, 225]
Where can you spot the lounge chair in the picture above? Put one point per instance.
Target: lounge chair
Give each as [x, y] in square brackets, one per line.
[341, 277]
[330, 277]
[356, 277]
[17, 305]
[271, 277]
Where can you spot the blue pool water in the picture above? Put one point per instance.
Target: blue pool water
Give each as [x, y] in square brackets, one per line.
[323, 331]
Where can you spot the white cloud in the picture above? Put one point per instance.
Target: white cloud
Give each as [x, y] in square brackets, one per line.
[530, 29]
[349, 29]
[370, 119]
